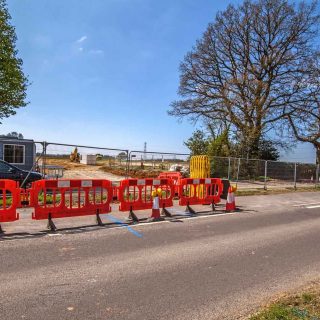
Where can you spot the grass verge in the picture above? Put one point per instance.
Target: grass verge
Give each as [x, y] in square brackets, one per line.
[275, 191]
[303, 305]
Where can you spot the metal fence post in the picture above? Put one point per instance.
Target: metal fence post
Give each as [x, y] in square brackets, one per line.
[44, 145]
[229, 167]
[127, 164]
[238, 169]
[317, 175]
[265, 174]
[295, 176]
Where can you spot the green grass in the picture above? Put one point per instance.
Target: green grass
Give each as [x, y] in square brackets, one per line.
[8, 202]
[263, 178]
[283, 312]
[303, 306]
[49, 198]
[254, 192]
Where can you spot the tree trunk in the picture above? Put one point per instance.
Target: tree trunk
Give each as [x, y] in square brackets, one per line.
[252, 147]
[318, 154]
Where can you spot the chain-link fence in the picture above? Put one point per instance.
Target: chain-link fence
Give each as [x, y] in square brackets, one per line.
[254, 174]
[87, 162]
[57, 160]
[143, 164]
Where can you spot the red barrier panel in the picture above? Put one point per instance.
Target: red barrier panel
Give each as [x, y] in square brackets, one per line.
[9, 200]
[115, 188]
[200, 191]
[136, 194]
[69, 198]
[175, 176]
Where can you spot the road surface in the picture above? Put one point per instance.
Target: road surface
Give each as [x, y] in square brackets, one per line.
[208, 267]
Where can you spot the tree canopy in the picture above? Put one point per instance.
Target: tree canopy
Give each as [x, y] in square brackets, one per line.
[201, 143]
[248, 68]
[197, 143]
[13, 82]
[304, 122]
[15, 134]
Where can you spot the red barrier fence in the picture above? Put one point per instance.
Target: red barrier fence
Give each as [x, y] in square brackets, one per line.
[136, 194]
[175, 176]
[115, 187]
[200, 191]
[9, 201]
[69, 198]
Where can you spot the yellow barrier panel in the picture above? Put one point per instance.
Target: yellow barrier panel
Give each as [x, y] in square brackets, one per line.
[199, 168]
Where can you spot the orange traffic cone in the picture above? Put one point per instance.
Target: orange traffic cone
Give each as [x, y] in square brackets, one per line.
[155, 208]
[231, 200]
[155, 216]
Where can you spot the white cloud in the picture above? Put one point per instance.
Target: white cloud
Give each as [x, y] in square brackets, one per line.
[83, 38]
[80, 49]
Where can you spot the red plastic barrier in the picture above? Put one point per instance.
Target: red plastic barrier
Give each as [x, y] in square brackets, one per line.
[200, 191]
[115, 188]
[175, 176]
[9, 195]
[70, 198]
[136, 194]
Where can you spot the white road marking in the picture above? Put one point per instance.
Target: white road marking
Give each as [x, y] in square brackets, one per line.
[313, 207]
[212, 216]
[306, 204]
[144, 224]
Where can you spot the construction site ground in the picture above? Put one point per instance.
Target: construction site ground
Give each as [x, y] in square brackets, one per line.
[81, 171]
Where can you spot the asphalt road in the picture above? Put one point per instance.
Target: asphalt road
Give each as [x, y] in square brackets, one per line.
[210, 267]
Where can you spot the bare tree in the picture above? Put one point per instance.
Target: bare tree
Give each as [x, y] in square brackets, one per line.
[304, 119]
[246, 68]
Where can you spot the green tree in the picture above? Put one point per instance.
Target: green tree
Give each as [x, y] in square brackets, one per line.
[268, 151]
[220, 146]
[198, 143]
[15, 134]
[122, 155]
[13, 82]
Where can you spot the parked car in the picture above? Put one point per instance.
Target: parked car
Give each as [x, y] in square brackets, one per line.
[9, 171]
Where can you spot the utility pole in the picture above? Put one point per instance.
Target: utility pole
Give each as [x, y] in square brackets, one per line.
[145, 151]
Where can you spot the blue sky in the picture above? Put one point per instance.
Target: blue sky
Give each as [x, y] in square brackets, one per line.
[104, 72]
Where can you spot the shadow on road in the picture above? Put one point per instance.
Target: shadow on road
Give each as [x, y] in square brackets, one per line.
[176, 217]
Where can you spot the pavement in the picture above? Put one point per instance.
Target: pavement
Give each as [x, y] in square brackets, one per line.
[211, 266]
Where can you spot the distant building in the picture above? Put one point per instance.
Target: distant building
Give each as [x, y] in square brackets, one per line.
[19, 152]
[90, 159]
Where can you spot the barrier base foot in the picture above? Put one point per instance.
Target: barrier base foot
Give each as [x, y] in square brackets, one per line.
[190, 210]
[99, 221]
[166, 213]
[1, 230]
[213, 207]
[132, 217]
[51, 226]
[232, 210]
[152, 219]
